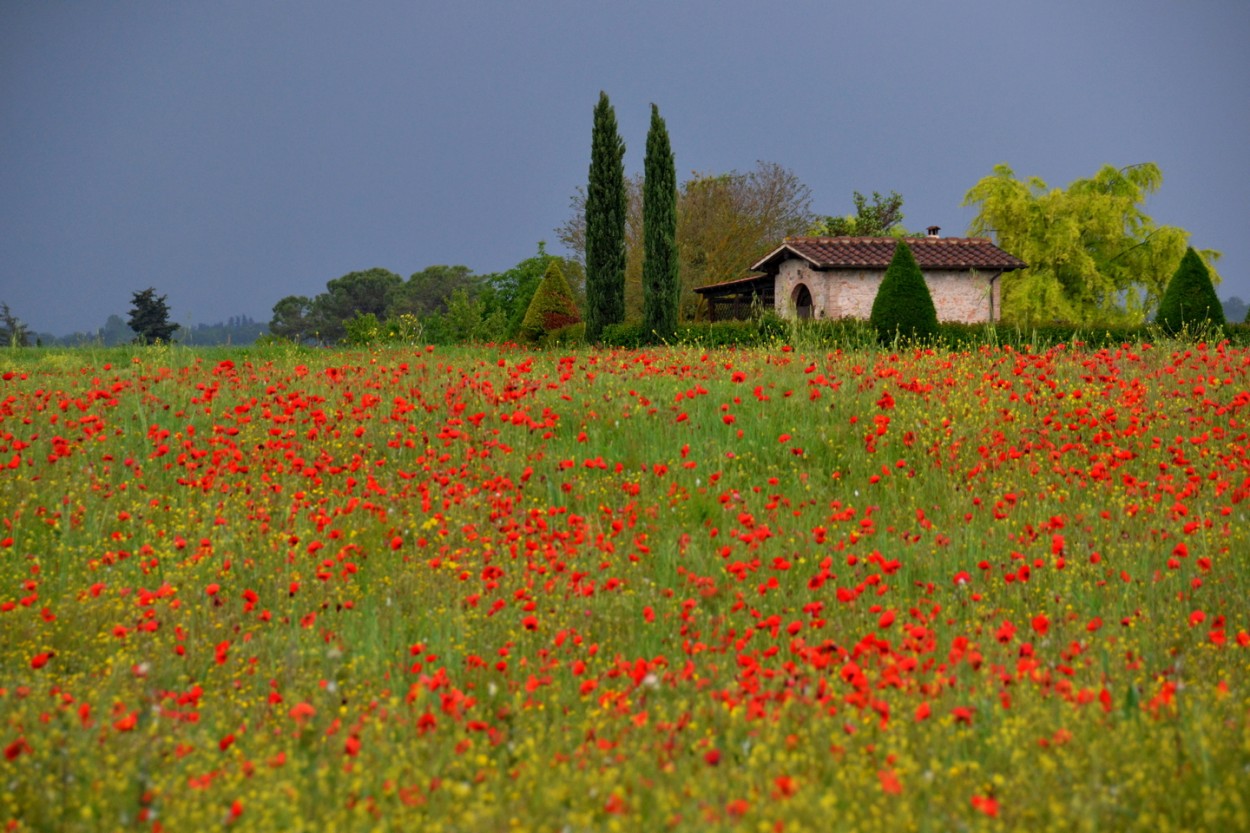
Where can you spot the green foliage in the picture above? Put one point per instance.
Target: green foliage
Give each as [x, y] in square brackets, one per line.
[510, 292]
[725, 222]
[292, 319]
[606, 205]
[362, 330]
[1189, 300]
[881, 219]
[352, 295]
[856, 334]
[574, 335]
[428, 291]
[552, 307]
[1094, 256]
[661, 282]
[439, 305]
[149, 318]
[903, 306]
[468, 319]
[270, 340]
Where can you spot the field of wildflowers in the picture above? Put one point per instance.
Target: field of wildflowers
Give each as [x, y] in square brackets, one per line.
[481, 589]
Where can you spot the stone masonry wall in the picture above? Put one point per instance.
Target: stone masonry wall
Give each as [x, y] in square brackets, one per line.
[845, 293]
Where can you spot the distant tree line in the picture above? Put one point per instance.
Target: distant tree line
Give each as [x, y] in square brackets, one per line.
[440, 304]
[238, 329]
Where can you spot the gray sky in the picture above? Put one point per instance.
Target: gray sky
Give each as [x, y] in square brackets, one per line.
[232, 153]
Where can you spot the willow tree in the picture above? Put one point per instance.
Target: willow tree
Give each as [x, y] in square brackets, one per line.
[1095, 257]
[661, 284]
[606, 206]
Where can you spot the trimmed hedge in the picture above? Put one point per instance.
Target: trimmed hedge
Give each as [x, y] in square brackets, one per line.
[849, 333]
[903, 306]
[1189, 300]
[552, 308]
[852, 333]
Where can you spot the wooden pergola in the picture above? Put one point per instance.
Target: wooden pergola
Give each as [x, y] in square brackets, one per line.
[735, 300]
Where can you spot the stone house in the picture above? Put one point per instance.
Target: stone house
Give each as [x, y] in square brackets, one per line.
[837, 277]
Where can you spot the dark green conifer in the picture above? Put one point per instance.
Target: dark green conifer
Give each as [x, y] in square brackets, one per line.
[149, 317]
[1189, 300]
[903, 306]
[661, 285]
[606, 204]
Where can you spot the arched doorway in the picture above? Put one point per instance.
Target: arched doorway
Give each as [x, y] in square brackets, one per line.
[802, 299]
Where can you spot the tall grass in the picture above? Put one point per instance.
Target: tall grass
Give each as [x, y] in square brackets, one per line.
[684, 586]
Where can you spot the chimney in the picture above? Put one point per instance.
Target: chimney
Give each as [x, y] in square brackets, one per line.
[933, 230]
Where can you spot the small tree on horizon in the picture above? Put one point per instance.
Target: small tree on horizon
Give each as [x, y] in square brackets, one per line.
[661, 282]
[1189, 299]
[13, 333]
[149, 317]
[606, 205]
[903, 306]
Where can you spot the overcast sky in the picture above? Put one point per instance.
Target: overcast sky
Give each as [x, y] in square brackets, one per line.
[232, 153]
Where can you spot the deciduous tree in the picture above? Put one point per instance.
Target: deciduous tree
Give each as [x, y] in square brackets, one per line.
[356, 293]
[1094, 255]
[725, 222]
[661, 283]
[883, 218]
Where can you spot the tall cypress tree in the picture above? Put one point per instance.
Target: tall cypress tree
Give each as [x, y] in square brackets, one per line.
[606, 204]
[661, 285]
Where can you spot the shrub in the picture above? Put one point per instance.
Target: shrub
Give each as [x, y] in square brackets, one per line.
[903, 306]
[628, 335]
[1190, 302]
[573, 335]
[363, 330]
[552, 307]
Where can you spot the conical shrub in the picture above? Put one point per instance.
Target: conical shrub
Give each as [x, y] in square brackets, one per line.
[903, 306]
[552, 307]
[1190, 300]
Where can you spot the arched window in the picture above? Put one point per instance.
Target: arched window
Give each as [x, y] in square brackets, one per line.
[802, 299]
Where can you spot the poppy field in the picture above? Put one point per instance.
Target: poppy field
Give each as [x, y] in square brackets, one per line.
[483, 589]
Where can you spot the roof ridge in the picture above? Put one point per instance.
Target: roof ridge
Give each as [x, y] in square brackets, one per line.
[886, 239]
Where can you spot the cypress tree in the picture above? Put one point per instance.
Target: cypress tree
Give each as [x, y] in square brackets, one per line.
[606, 204]
[1190, 298]
[661, 285]
[903, 305]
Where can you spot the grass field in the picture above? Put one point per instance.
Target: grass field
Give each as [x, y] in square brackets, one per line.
[484, 589]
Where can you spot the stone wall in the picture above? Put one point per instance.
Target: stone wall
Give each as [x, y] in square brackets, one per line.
[847, 293]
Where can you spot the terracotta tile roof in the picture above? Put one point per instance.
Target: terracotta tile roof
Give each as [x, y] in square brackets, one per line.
[876, 253]
[745, 283]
